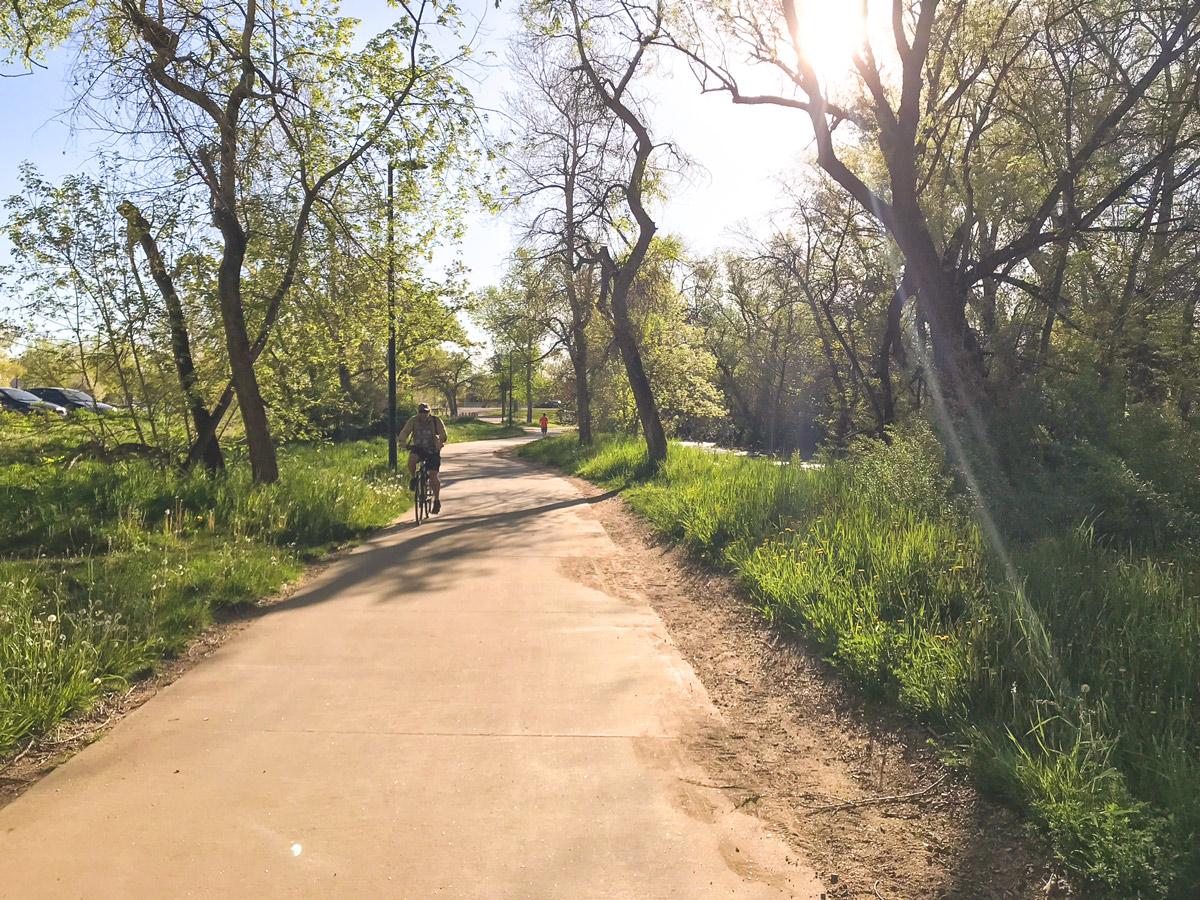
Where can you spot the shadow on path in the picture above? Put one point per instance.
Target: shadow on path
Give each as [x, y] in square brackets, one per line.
[426, 558]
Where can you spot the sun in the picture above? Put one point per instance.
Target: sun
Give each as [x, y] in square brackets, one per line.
[831, 32]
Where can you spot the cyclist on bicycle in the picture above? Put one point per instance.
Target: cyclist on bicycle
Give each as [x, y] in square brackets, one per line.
[428, 437]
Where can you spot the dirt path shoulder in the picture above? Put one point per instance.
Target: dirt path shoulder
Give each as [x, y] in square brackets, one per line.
[860, 791]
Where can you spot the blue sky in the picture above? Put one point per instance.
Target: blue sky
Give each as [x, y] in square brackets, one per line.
[740, 151]
[31, 104]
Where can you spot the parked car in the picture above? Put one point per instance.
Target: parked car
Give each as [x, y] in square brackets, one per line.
[71, 399]
[16, 400]
[550, 404]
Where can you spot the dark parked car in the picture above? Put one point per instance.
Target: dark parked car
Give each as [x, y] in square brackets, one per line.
[71, 399]
[14, 400]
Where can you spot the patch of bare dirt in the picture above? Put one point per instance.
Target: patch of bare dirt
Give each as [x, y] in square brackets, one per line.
[860, 791]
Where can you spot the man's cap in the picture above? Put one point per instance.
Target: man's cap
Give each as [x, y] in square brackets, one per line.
[422, 407]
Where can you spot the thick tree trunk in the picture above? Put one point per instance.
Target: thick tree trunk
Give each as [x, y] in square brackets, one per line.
[577, 347]
[344, 380]
[639, 383]
[620, 278]
[956, 361]
[210, 453]
[944, 308]
[208, 433]
[583, 391]
[263, 464]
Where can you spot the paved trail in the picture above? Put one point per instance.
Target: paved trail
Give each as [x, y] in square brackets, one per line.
[442, 713]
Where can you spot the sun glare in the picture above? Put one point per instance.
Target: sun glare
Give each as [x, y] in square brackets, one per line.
[831, 32]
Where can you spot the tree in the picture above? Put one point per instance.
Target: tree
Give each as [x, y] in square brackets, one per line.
[444, 371]
[27, 30]
[566, 147]
[971, 93]
[679, 366]
[328, 365]
[792, 318]
[611, 42]
[753, 323]
[140, 233]
[75, 274]
[10, 369]
[515, 314]
[268, 102]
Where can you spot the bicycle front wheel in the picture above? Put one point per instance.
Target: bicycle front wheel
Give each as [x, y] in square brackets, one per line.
[419, 510]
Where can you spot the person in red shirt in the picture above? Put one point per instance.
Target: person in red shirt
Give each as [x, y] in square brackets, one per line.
[545, 423]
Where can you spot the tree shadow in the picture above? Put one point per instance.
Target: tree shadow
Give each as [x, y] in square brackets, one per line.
[418, 559]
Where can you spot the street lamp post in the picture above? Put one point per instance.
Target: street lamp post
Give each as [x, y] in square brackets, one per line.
[511, 392]
[393, 453]
[410, 166]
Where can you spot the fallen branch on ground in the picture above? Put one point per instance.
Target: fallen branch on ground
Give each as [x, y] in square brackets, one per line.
[16, 759]
[870, 801]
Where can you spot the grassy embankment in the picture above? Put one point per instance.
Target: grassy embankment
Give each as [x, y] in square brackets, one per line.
[1069, 683]
[105, 569]
[554, 414]
[465, 429]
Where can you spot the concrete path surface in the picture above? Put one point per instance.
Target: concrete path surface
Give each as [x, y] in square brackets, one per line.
[443, 712]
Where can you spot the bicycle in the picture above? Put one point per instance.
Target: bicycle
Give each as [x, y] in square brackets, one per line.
[423, 499]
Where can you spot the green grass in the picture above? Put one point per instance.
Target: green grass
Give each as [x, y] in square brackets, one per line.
[1072, 689]
[25, 439]
[554, 414]
[466, 429]
[107, 569]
